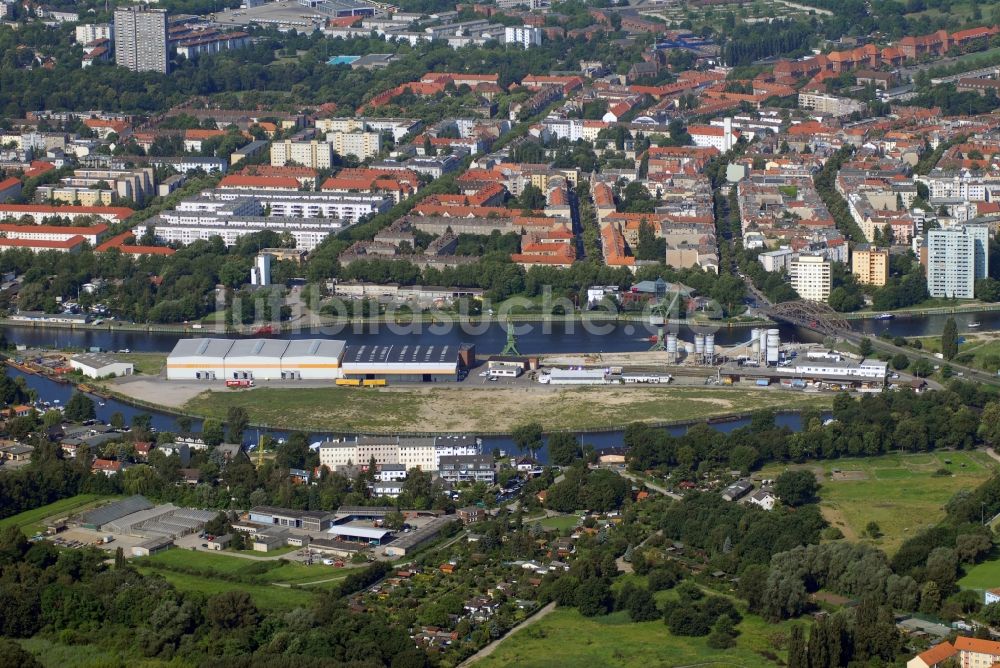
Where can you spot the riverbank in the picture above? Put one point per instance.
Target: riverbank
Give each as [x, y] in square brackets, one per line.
[491, 411]
[919, 311]
[331, 326]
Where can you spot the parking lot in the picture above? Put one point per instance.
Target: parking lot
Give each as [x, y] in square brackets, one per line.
[78, 537]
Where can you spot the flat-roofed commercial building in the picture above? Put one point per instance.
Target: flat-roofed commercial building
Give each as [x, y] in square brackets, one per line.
[402, 363]
[312, 359]
[260, 359]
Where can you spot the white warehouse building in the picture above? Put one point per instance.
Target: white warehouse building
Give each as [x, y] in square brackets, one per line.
[260, 359]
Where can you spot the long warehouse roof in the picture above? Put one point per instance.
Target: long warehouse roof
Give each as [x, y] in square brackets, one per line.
[400, 354]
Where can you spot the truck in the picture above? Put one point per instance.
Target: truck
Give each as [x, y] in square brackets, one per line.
[763, 382]
[237, 383]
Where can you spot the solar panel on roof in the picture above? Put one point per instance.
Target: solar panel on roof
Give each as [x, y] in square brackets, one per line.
[257, 347]
[204, 346]
[314, 347]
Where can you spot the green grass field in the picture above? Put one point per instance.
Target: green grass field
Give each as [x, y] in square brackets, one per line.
[899, 491]
[982, 576]
[31, 521]
[289, 573]
[469, 408]
[566, 638]
[266, 596]
[56, 655]
[560, 522]
[149, 364]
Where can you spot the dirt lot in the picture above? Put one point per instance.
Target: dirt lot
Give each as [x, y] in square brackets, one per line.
[89, 537]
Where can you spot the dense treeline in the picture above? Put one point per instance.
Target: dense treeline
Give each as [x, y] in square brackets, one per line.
[751, 42]
[75, 596]
[872, 425]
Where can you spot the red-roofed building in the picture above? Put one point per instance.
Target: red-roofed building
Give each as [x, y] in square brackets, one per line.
[104, 128]
[120, 243]
[39, 212]
[108, 467]
[193, 138]
[91, 234]
[10, 189]
[69, 245]
[38, 168]
[242, 182]
[613, 242]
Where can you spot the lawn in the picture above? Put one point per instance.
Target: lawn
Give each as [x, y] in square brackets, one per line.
[32, 521]
[56, 655]
[566, 638]
[982, 576]
[148, 364]
[560, 522]
[899, 491]
[471, 408]
[266, 596]
[291, 572]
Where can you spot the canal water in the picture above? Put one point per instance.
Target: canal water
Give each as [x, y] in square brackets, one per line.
[532, 338]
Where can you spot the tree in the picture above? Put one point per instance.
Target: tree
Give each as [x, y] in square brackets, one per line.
[231, 610]
[641, 606]
[865, 348]
[797, 657]
[921, 368]
[723, 635]
[528, 437]
[212, 433]
[532, 198]
[79, 408]
[949, 339]
[394, 520]
[593, 597]
[796, 488]
[12, 654]
[237, 419]
[564, 448]
[873, 529]
[900, 361]
[117, 421]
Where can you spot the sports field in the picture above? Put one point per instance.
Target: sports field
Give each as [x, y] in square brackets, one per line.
[900, 492]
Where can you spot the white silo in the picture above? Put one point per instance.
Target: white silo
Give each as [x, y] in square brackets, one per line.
[709, 348]
[755, 344]
[671, 346]
[699, 344]
[763, 345]
[773, 344]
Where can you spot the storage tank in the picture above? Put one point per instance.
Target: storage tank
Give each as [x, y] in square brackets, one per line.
[671, 346]
[709, 348]
[763, 344]
[773, 343]
[755, 344]
[699, 344]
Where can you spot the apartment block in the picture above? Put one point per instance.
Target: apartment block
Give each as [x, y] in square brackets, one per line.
[810, 275]
[956, 258]
[141, 39]
[871, 265]
[362, 145]
[315, 154]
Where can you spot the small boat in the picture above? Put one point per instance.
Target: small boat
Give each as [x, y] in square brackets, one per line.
[973, 325]
[884, 316]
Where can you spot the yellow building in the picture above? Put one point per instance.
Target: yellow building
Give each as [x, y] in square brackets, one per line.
[871, 265]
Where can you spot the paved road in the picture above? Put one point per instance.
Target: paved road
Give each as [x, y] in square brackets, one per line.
[651, 485]
[489, 649]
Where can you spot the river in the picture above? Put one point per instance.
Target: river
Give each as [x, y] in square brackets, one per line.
[532, 338]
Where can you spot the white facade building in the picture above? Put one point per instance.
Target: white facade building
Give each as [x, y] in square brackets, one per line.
[811, 277]
[956, 258]
[315, 154]
[362, 145]
[777, 260]
[393, 453]
[90, 32]
[722, 138]
[525, 36]
[100, 365]
[260, 274]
